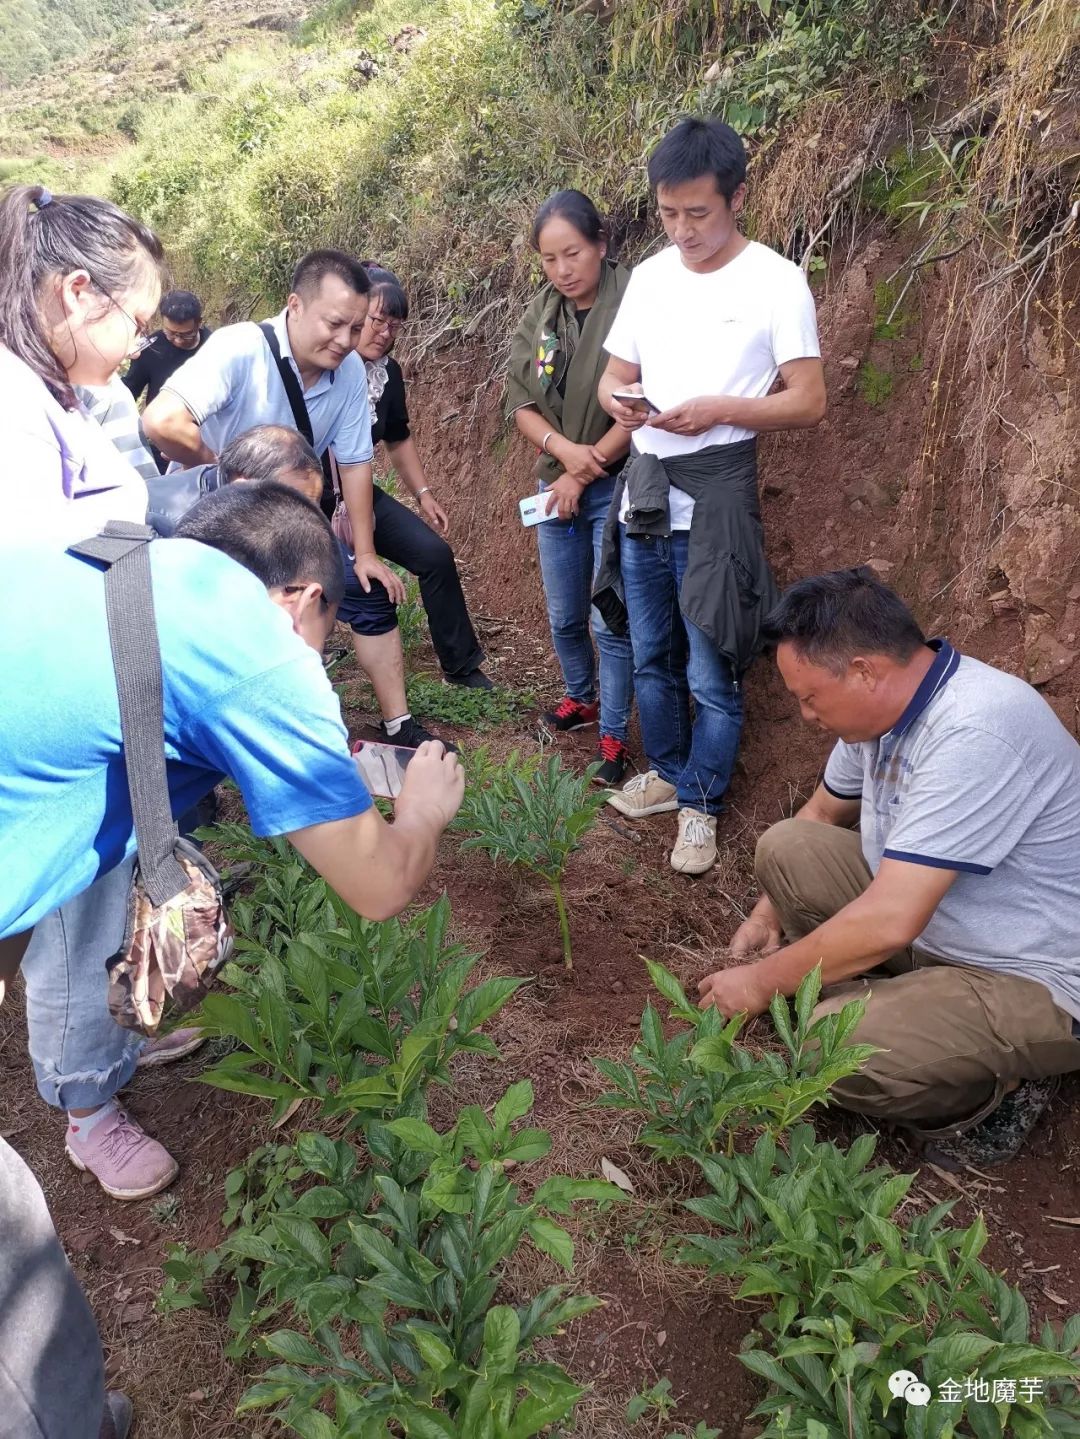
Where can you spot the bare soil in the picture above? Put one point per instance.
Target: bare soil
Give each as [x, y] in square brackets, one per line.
[855, 490]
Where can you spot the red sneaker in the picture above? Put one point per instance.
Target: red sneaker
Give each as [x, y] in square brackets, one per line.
[614, 757]
[571, 714]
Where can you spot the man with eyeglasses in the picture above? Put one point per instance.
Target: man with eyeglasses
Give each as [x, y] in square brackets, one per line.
[182, 333]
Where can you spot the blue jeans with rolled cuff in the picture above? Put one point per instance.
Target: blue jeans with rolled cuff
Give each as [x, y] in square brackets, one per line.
[674, 662]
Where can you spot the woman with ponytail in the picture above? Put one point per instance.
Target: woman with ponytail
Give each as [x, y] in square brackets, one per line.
[79, 285]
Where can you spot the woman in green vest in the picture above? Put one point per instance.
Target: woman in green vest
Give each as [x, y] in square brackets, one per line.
[556, 361]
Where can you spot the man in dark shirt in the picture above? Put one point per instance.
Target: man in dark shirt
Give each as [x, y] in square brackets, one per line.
[182, 333]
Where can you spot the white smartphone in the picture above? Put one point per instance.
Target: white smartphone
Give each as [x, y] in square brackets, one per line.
[534, 509]
[636, 400]
[382, 766]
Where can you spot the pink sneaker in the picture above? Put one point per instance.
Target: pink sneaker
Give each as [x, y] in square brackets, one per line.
[170, 1046]
[121, 1156]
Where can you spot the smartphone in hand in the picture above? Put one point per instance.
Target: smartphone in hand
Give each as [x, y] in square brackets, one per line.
[635, 400]
[382, 766]
[534, 509]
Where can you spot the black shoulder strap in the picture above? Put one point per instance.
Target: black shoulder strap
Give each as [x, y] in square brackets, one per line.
[129, 604]
[293, 391]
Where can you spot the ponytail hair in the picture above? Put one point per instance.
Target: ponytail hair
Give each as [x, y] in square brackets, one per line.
[43, 235]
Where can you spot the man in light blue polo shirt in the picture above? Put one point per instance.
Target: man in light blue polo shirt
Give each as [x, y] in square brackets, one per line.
[232, 384]
[961, 886]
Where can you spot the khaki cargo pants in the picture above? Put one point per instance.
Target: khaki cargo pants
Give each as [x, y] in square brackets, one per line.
[953, 1038]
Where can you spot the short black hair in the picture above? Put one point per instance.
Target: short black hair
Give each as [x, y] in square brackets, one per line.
[272, 531]
[576, 209]
[264, 452]
[388, 290]
[181, 306]
[697, 147]
[317, 264]
[831, 618]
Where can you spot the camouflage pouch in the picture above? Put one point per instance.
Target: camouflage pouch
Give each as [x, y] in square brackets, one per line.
[177, 934]
[171, 951]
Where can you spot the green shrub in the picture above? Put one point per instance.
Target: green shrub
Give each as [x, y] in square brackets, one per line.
[697, 1088]
[533, 816]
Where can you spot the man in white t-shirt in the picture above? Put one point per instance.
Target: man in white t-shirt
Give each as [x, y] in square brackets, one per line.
[703, 331]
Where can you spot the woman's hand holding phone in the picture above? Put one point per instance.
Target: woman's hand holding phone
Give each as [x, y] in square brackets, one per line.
[564, 493]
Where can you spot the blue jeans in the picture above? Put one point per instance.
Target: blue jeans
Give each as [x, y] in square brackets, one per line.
[569, 555]
[81, 1056]
[674, 660]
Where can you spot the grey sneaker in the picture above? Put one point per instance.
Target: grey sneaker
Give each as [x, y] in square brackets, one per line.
[695, 848]
[1001, 1135]
[116, 1420]
[643, 795]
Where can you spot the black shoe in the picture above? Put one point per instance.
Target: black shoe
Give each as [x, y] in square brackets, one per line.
[116, 1420]
[412, 735]
[474, 680]
[570, 714]
[1001, 1134]
[614, 757]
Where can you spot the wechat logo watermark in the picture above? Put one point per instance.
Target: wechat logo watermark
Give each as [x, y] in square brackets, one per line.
[909, 1387]
[905, 1385]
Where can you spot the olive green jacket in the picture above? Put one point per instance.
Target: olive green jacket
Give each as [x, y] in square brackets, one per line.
[548, 345]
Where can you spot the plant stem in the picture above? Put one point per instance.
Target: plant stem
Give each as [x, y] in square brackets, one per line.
[564, 924]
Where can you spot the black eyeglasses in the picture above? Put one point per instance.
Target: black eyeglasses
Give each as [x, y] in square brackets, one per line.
[143, 340]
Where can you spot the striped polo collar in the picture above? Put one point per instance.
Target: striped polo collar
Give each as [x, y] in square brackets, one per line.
[946, 662]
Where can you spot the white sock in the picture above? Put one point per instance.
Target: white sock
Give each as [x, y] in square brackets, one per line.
[82, 1124]
[392, 726]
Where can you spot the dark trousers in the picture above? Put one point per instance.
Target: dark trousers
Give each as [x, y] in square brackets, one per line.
[402, 537]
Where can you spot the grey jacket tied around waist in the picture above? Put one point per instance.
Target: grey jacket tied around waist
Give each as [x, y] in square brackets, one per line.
[728, 588]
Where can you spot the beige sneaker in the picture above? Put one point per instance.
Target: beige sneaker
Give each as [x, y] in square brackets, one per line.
[644, 794]
[695, 848]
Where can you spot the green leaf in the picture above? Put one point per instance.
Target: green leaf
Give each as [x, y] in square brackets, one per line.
[304, 1238]
[417, 1136]
[322, 1202]
[559, 1192]
[287, 1344]
[265, 1393]
[515, 1104]
[552, 1239]
[668, 985]
[318, 1153]
[806, 998]
[502, 1331]
[527, 1144]
[425, 1423]
[310, 1424]
[239, 1081]
[483, 1002]
[435, 1354]
[781, 1018]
